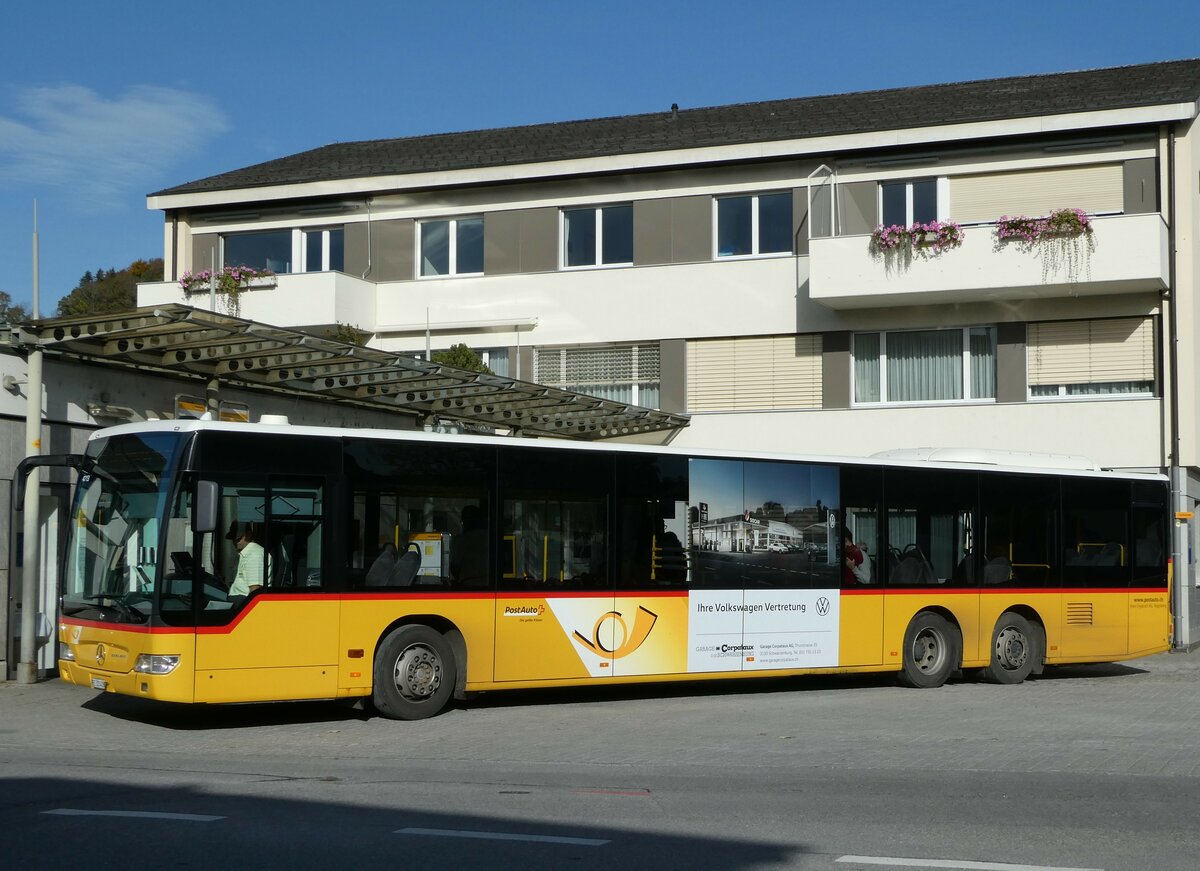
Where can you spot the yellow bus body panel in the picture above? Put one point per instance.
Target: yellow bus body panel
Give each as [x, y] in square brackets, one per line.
[324, 646]
[120, 648]
[366, 620]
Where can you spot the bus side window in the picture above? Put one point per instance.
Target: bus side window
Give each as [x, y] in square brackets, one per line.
[1017, 539]
[554, 510]
[652, 522]
[1096, 546]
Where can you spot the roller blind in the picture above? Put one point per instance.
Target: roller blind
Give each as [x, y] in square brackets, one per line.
[755, 372]
[1091, 352]
[987, 197]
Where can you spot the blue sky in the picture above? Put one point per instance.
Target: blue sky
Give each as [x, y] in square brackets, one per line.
[103, 103]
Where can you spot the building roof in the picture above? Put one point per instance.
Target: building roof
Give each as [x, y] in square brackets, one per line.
[1126, 87]
[201, 345]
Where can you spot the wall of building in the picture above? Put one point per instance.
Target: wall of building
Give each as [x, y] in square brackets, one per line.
[1118, 433]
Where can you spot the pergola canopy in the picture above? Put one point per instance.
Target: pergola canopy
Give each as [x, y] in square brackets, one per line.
[204, 345]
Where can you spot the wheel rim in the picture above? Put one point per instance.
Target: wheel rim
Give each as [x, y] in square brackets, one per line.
[418, 672]
[1012, 648]
[929, 651]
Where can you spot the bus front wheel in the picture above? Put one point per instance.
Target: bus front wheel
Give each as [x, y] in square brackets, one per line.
[1016, 649]
[932, 651]
[414, 673]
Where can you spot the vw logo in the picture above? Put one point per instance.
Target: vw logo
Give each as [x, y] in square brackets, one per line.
[99, 654]
[822, 606]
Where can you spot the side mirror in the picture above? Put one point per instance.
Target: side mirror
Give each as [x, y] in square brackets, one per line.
[204, 509]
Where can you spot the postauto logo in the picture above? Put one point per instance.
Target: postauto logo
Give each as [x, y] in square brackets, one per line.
[643, 622]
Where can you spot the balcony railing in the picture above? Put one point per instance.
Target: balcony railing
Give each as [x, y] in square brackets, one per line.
[300, 300]
[1127, 253]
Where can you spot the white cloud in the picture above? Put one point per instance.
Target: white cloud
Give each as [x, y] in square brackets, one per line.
[103, 149]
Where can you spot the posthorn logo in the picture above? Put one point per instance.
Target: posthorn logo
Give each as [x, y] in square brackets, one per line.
[629, 641]
[822, 606]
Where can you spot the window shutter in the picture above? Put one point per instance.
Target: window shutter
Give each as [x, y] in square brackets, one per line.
[1095, 189]
[760, 372]
[1091, 352]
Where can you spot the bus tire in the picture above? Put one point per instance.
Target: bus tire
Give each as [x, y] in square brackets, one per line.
[932, 651]
[415, 673]
[1016, 649]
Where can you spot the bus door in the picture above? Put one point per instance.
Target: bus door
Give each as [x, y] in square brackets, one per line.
[266, 631]
[1096, 567]
[554, 607]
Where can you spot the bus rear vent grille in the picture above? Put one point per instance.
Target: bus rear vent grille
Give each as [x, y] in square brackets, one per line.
[1079, 613]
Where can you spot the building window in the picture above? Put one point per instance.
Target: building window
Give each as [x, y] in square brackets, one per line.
[324, 250]
[267, 250]
[1080, 359]
[908, 202]
[925, 365]
[754, 372]
[622, 373]
[451, 247]
[597, 237]
[758, 224]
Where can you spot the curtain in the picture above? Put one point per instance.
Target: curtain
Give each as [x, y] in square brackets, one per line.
[924, 365]
[866, 367]
[983, 363]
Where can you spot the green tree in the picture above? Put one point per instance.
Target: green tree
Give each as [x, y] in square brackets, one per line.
[111, 291]
[10, 312]
[461, 357]
[348, 333]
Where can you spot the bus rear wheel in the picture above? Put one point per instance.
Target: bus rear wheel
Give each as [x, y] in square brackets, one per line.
[1016, 649]
[932, 651]
[414, 674]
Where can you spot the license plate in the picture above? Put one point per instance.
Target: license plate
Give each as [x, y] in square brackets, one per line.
[99, 683]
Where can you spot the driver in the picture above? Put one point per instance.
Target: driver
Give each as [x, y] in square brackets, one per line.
[247, 538]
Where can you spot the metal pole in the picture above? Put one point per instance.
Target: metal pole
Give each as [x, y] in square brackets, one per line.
[1180, 550]
[27, 664]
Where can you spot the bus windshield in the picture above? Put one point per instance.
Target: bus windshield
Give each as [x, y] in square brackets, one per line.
[119, 505]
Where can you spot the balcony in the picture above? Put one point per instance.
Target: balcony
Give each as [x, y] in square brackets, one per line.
[300, 300]
[1129, 254]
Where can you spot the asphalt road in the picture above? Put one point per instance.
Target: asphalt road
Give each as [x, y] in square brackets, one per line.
[1088, 767]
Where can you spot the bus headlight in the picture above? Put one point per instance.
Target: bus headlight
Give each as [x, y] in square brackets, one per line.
[156, 663]
[66, 653]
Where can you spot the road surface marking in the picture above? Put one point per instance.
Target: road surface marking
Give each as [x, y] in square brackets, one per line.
[954, 863]
[503, 836]
[140, 815]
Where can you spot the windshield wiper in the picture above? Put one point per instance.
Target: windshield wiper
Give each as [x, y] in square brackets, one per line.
[117, 604]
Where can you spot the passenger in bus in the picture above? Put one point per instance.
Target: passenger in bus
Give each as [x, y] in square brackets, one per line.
[852, 560]
[246, 538]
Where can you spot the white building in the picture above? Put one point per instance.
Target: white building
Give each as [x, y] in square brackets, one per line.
[719, 262]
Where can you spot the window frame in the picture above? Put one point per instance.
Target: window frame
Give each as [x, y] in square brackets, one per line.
[325, 241]
[941, 193]
[1063, 396]
[755, 226]
[965, 355]
[598, 252]
[636, 382]
[452, 255]
[295, 240]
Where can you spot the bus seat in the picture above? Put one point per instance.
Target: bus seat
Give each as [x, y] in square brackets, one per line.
[914, 568]
[405, 570]
[997, 570]
[381, 568]
[1147, 552]
[280, 567]
[1110, 555]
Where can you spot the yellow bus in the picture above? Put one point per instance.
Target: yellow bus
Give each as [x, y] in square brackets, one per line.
[219, 562]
